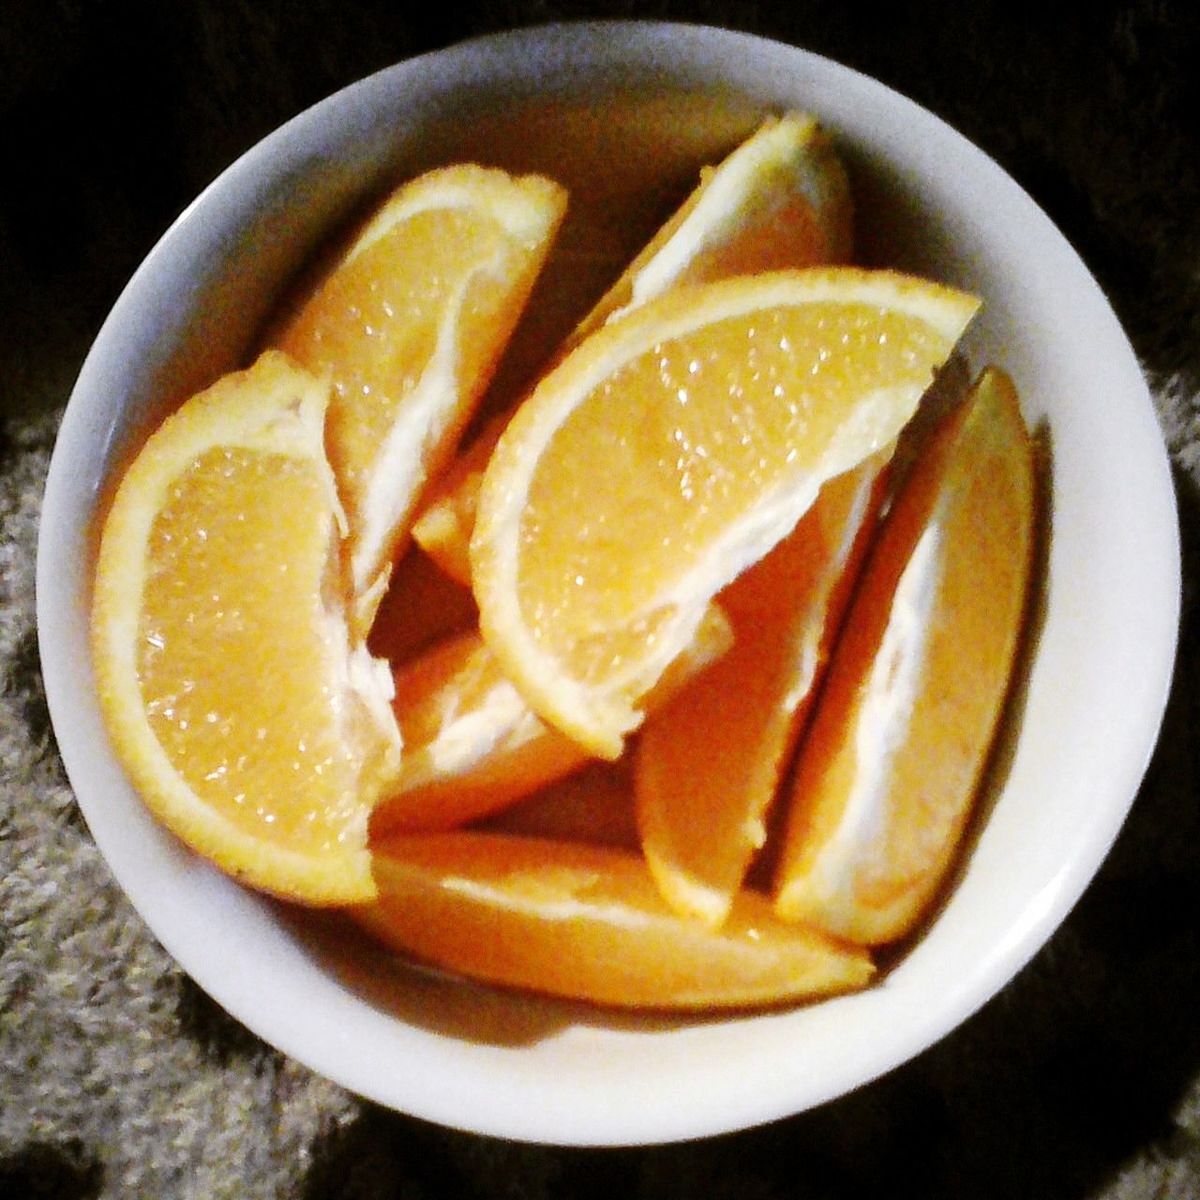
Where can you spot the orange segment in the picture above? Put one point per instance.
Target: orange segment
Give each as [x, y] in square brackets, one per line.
[586, 922]
[411, 323]
[671, 450]
[709, 764]
[886, 777]
[471, 744]
[781, 199]
[249, 721]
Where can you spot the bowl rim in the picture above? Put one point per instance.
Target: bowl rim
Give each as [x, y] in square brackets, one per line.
[452, 1076]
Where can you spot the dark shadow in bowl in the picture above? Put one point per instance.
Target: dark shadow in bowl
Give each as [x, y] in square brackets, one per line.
[893, 227]
[435, 1000]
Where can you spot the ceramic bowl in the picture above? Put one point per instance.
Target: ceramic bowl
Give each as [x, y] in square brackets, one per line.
[626, 113]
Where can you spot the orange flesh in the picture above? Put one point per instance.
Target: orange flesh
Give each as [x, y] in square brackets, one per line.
[352, 327]
[587, 922]
[374, 324]
[775, 233]
[197, 636]
[709, 764]
[756, 393]
[972, 492]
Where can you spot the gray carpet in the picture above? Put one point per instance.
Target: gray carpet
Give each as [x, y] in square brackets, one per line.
[119, 1078]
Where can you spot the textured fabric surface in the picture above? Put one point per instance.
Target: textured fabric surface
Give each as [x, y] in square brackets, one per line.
[120, 1078]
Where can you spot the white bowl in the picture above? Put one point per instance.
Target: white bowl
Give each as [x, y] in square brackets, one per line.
[1097, 674]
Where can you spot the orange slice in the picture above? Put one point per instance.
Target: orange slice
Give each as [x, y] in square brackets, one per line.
[471, 743]
[709, 764]
[587, 922]
[780, 199]
[411, 323]
[248, 719]
[886, 777]
[669, 451]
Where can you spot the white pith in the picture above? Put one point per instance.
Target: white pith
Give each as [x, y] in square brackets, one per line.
[503, 721]
[505, 200]
[885, 711]
[399, 471]
[543, 902]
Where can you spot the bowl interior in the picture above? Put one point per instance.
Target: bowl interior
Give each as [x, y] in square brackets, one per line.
[624, 115]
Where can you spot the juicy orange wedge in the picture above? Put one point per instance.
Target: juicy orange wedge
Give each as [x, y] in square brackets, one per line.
[669, 451]
[411, 323]
[780, 199]
[587, 922]
[709, 763]
[471, 744]
[887, 775]
[251, 722]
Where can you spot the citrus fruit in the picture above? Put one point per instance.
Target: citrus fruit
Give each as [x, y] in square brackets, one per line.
[710, 762]
[887, 774]
[471, 743]
[673, 448]
[587, 922]
[780, 199]
[248, 718]
[410, 323]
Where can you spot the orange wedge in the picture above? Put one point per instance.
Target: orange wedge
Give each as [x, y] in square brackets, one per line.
[587, 922]
[471, 744]
[249, 720]
[780, 199]
[888, 772]
[710, 763]
[411, 323]
[673, 448]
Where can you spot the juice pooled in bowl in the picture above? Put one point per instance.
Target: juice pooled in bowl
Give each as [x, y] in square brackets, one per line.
[684, 552]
